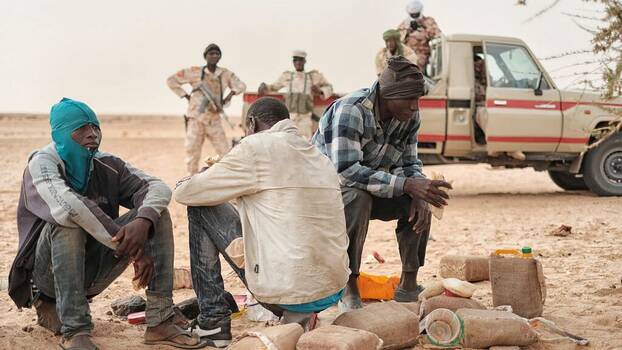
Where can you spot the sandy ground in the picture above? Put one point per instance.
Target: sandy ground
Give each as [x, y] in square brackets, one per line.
[490, 209]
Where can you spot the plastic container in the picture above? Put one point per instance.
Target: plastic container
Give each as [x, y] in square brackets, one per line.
[443, 327]
[257, 313]
[524, 252]
[469, 268]
[377, 287]
[517, 279]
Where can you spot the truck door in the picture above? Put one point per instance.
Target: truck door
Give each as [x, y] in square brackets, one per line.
[517, 117]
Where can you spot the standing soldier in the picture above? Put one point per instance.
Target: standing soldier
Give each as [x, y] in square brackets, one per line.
[393, 47]
[417, 31]
[206, 103]
[302, 87]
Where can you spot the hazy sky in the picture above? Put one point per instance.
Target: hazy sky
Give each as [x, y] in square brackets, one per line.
[116, 55]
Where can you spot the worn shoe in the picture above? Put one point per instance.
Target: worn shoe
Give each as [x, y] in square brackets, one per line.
[403, 296]
[47, 316]
[217, 333]
[78, 342]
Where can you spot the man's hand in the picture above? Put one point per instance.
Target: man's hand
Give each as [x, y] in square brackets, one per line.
[143, 271]
[427, 190]
[263, 89]
[132, 238]
[421, 209]
[316, 90]
[228, 98]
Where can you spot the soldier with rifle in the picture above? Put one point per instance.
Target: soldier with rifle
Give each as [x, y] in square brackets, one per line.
[206, 103]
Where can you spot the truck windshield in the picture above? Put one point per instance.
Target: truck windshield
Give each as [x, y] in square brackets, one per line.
[511, 66]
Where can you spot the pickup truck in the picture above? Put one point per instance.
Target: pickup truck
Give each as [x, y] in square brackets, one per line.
[557, 131]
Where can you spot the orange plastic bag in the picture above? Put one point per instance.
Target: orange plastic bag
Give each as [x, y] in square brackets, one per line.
[377, 287]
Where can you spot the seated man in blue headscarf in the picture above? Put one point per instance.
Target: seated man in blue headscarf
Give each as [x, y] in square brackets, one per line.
[73, 243]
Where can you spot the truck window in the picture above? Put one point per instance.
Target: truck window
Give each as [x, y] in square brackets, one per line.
[511, 66]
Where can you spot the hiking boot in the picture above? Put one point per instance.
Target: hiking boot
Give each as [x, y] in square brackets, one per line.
[217, 333]
[47, 316]
[403, 296]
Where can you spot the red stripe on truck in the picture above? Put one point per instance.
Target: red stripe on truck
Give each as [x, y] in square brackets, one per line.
[250, 97]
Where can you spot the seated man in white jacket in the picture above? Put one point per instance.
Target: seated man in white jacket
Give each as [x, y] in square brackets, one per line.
[288, 218]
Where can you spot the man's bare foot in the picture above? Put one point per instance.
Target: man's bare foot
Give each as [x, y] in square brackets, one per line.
[169, 333]
[78, 342]
[351, 298]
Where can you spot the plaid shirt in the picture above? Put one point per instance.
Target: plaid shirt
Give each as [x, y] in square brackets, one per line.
[369, 154]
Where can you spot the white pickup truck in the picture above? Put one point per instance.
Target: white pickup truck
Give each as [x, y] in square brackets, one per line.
[524, 111]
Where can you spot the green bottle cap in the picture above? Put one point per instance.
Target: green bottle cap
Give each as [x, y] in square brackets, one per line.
[526, 250]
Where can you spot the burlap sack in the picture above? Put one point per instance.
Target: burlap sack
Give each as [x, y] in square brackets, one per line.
[396, 325]
[465, 267]
[486, 328]
[283, 337]
[518, 282]
[339, 338]
[451, 303]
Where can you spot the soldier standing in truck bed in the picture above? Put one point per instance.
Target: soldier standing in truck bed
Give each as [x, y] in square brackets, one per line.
[417, 31]
[204, 111]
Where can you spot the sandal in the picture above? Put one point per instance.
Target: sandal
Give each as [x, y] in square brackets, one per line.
[180, 338]
[78, 342]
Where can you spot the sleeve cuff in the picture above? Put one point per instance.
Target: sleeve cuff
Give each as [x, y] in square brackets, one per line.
[149, 214]
[398, 187]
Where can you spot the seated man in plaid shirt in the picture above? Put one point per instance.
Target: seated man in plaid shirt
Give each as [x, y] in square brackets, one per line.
[371, 137]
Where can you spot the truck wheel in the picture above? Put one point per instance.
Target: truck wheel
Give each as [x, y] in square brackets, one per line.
[602, 169]
[567, 180]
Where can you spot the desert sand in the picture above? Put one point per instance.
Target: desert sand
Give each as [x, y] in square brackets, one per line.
[489, 209]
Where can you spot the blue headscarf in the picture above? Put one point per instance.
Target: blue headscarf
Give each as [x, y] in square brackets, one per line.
[65, 117]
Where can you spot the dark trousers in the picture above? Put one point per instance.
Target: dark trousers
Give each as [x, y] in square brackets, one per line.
[361, 206]
[211, 231]
[70, 265]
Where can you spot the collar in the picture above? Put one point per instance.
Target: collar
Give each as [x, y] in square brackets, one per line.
[217, 72]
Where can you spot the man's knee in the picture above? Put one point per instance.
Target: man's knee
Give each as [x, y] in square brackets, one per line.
[356, 199]
[67, 238]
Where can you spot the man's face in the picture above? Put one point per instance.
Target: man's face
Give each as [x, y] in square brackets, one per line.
[391, 45]
[88, 136]
[212, 57]
[299, 64]
[415, 15]
[403, 109]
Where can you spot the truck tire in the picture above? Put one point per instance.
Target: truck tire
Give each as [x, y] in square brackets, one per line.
[602, 169]
[567, 181]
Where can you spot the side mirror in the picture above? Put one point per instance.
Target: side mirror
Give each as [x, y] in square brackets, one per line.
[538, 90]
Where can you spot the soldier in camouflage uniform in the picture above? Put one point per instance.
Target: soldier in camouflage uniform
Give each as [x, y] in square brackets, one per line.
[302, 87]
[417, 31]
[204, 116]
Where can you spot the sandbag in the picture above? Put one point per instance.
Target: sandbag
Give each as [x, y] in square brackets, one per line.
[486, 328]
[396, 325]
[283, 337]
[465, 267]
[339, 338]
[447, 302]
[518, 282]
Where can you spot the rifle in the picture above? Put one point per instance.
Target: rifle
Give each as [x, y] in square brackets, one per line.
[209, 98]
